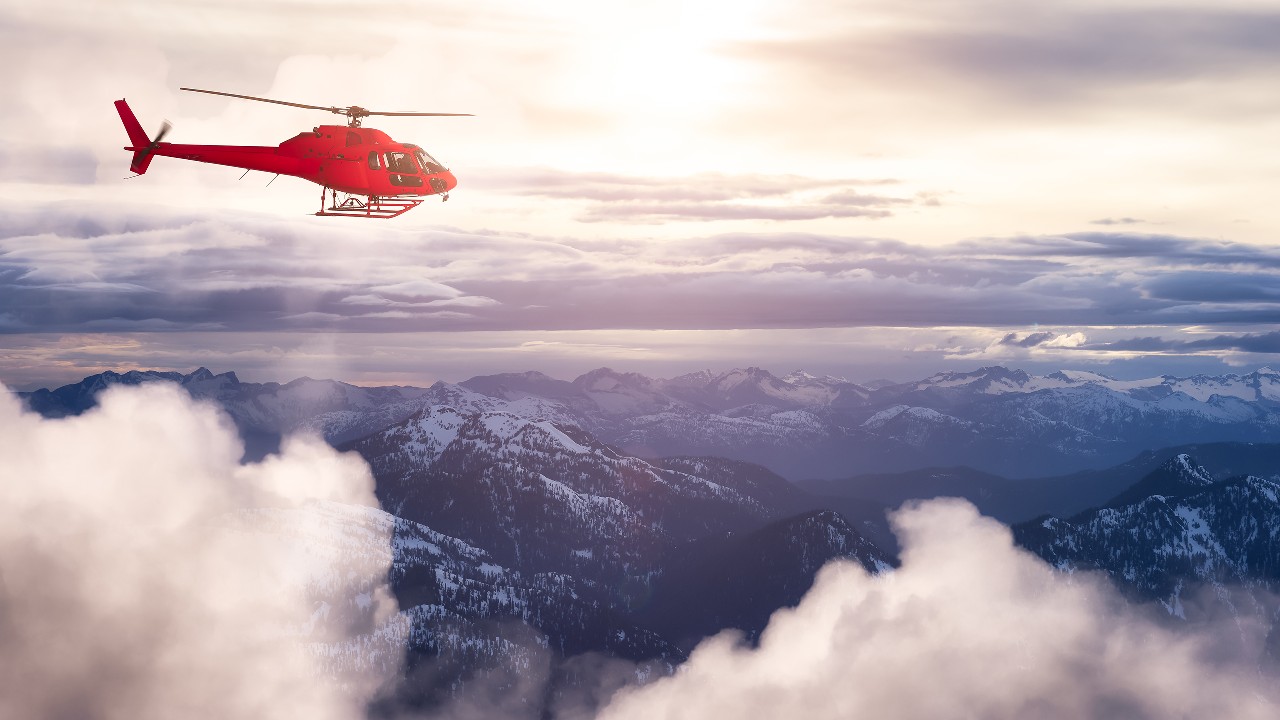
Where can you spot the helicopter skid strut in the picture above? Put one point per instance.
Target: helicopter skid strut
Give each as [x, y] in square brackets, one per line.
[365, 206]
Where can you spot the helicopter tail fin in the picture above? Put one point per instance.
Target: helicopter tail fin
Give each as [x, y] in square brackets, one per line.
[140, 143]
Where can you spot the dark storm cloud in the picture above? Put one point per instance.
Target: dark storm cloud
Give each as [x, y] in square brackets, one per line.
[705, 196]
[1044, 55]
[1031, 340]
[117, 273]
[1169, 249]
[1216, 286]
[1261, 343]
[1116, 221]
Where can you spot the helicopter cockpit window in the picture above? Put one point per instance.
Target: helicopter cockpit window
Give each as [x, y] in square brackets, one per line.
[428, 163]
[401, 163]
[374, 163]
[353, 139]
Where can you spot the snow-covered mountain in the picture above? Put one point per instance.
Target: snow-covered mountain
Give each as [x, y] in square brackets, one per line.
[622, 514]
[581, 534]
[1260, 385]
[546, 495]
[1174, 533]
[994, 419]
[263, 412]
[452, 597]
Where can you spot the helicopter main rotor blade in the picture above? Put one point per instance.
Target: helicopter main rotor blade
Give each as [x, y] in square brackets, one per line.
[355, 112]
[418, 114]
[268, 100]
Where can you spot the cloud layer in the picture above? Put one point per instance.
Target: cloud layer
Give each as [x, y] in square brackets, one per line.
[612, 197]
[80, 273]
[968, 627]
[134, 582]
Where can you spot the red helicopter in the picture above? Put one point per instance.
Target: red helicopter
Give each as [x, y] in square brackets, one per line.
[379, 177]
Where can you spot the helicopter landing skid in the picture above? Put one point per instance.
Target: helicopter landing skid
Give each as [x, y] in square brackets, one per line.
[362, 206]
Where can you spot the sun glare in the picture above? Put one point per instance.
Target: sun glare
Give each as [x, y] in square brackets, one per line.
[660, 72]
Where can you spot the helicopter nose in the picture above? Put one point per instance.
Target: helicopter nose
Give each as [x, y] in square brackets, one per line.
[450, 181]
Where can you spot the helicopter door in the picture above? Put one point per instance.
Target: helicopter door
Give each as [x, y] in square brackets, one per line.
[404, 172]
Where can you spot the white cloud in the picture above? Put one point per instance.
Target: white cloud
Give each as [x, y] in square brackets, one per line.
[968, 627]
[1069, 340]
[140, 577]
[418, 289]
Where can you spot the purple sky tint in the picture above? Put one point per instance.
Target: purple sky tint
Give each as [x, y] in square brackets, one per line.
[869, 189]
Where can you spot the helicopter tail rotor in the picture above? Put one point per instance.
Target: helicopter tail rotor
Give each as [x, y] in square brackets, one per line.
[143, 147]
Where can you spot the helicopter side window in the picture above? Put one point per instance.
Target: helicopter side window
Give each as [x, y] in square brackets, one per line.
[353, 139]
[374, 162]
[401, 163]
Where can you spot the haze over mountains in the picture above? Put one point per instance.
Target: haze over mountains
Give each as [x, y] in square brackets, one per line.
[994, 419]
[532, 520]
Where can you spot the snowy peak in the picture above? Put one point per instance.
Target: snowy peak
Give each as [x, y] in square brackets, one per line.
[752, 376]
[916, 426]
[204, 375]
[750, 386]
[1263, 384]
[203, 383]
[1188, 471]
[418, 442]
[1224, 535]
[200, 374]
[901, 413]
[1079, 376]
[614, 393]
[800, 377]
[987, 379]
[1180, 476]
[509, 430]
[755, 386]
[609, 380]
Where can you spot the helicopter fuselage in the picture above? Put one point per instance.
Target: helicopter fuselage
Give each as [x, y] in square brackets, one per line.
[353, 160]
[359, 161]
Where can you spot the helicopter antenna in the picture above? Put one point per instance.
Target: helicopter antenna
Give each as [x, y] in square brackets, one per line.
[354, 114]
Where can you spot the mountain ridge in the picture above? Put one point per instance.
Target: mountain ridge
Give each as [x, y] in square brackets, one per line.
[999, 420]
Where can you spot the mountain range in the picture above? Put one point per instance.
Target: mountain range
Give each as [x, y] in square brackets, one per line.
[533, 519]
[996, 420]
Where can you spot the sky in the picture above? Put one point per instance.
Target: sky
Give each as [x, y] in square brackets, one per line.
[865, 189]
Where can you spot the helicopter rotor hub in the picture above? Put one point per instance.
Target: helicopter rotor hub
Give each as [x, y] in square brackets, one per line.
[355, 114]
